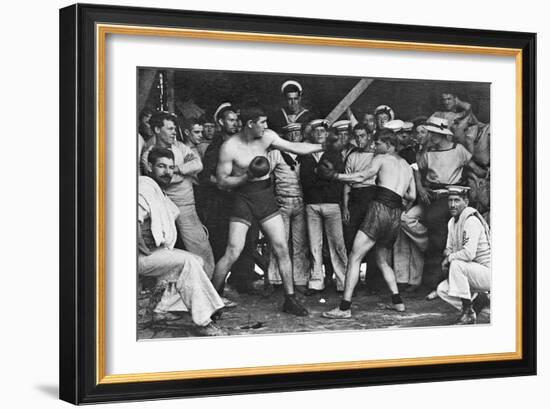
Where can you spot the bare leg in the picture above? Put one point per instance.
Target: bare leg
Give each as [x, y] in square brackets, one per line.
[389, 275]
[235, 244]
[361, 245]
[274, 229]
[387, 271]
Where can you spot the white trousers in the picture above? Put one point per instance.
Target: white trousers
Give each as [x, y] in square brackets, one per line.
[464, 279]
[191, 282]
[326, 217]
[409, 248]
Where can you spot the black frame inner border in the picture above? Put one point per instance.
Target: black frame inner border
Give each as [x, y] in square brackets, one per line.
[77, 203]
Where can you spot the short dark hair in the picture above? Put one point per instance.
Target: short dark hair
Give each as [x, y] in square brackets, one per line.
[189, 123]
[251, 113]
[206, 119]
[449, 89]
[386, 135]
[359, 127]
[291, 88]
[223, 113]
[158, 118]
[381, 111]
[157, 153]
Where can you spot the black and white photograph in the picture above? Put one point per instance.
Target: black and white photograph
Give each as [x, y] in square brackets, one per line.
[281, 203]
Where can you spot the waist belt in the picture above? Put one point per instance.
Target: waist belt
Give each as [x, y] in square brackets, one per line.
[388, 198]
[360, 192]
[255, 186]
[435, 186]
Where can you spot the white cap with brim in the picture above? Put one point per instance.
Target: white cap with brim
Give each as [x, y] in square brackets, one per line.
[341, 125]
[407, 126]
[222, 107]
[438, 125]
[291, 82]
[458, 190]
[293, 126]
[394, 125]
[318, 122]
[384, 108]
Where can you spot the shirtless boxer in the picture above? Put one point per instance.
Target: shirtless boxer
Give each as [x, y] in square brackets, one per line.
[243, 168]
[382, 222]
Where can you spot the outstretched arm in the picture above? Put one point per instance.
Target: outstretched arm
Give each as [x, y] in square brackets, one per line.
[358, 177]
[224, 170]
[299, 148]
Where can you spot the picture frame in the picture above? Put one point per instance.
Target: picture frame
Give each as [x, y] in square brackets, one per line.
[84, 175]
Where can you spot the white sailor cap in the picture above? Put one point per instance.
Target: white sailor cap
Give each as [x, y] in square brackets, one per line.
[341, 125]
[293, 126]
[289, 83]
[394, 125]
[407, 126]
[384, 108]
[318, 122]
[458, 190]
[223, 107]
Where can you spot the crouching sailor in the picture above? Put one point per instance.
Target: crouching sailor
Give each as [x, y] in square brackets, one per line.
[467, 256]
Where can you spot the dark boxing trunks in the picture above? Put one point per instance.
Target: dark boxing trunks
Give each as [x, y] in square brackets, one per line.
[254, 201]
[383, 218]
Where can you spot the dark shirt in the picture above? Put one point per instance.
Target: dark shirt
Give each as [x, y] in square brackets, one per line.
[408, 154]
[316, 189]
[277, 119]
[209, 167]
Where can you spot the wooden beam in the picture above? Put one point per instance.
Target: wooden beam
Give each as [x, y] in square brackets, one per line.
[349, 99]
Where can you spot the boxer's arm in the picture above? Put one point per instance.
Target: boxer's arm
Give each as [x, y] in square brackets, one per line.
[299, 148]
[224, 170]
[358, 177]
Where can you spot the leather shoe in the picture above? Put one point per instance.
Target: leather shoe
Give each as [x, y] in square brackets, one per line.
[311, 291]
[293, 306]
[467, 318]
[212, 330]
[337, 313]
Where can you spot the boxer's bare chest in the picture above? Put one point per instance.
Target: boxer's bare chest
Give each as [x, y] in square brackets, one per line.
[243, 153]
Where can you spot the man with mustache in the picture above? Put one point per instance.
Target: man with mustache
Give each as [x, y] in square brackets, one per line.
[180, 189]
[467, 257]
[157, 256]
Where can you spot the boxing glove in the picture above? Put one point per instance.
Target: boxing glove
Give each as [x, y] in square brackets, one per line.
[259, 166]
[325, 170]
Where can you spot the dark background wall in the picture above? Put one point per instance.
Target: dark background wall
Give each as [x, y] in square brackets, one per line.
[408, 98]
